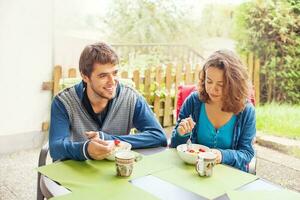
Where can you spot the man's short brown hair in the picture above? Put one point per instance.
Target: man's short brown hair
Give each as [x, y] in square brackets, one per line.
[96, 53]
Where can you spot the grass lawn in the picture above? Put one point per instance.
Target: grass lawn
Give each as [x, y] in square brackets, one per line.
[280, 120]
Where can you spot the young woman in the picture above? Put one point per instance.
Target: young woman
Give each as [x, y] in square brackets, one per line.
[218, 115]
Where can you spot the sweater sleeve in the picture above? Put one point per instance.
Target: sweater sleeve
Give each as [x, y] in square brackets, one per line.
[150, 133]
[242, 155]
[185, 111]
[61, 147]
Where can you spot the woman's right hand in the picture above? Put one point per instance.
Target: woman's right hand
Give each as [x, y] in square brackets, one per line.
[185, 126]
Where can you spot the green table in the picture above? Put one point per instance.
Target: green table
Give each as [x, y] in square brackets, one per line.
[98, 179]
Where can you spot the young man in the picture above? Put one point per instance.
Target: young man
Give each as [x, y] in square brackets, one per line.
[99, 108]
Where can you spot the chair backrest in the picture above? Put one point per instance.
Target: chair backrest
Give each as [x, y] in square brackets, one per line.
[185, 90]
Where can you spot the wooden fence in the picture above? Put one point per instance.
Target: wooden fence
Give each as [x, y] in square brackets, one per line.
[159, 85]
[253, 65]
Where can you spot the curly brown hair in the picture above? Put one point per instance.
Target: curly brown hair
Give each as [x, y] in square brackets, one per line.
[236, 80]
[96, 53]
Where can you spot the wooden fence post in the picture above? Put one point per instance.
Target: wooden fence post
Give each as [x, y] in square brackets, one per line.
[250, 65]
[178, 78]
[136, 79]
[256, 80]
[72, 73]
[147, 81]
[244, 60]
[198, 68]
[156, 97]
[167, 119]
[124, 74]
[57, 73]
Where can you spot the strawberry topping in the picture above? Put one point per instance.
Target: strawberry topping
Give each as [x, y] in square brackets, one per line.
[117, 142]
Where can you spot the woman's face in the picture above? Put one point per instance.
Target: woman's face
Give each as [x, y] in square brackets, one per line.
[214, 83]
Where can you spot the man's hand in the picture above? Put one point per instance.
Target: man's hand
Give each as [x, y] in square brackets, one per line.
[219, 155]
[92, 135]
[99, 149]
[185, 126]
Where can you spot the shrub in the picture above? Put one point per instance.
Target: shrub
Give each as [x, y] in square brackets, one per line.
[271, 29]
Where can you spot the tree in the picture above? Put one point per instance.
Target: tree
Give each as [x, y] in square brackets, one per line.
[148, 21]
[216, 20]
[271, 29]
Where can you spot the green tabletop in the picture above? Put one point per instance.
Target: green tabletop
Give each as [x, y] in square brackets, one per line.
[92, 177]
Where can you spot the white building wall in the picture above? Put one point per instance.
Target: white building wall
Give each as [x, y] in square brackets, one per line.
[26, 34]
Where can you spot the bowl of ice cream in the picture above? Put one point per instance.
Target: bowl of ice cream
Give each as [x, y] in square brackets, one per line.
[190, 155]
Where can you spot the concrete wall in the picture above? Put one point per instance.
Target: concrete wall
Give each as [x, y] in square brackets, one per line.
[68, 49]
[26, 35]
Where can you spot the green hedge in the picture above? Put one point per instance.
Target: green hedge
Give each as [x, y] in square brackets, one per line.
[271, 29]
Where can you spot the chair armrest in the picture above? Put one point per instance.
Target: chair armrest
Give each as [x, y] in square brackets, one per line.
[42, 162]
[43, 155]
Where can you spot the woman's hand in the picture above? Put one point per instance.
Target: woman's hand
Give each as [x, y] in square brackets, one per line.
[185, 126]
[218, 154]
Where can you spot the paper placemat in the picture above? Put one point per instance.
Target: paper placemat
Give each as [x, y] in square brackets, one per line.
[156, 162]
[125, 191]
[263, 195]
[77, 175]
[224, 178]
